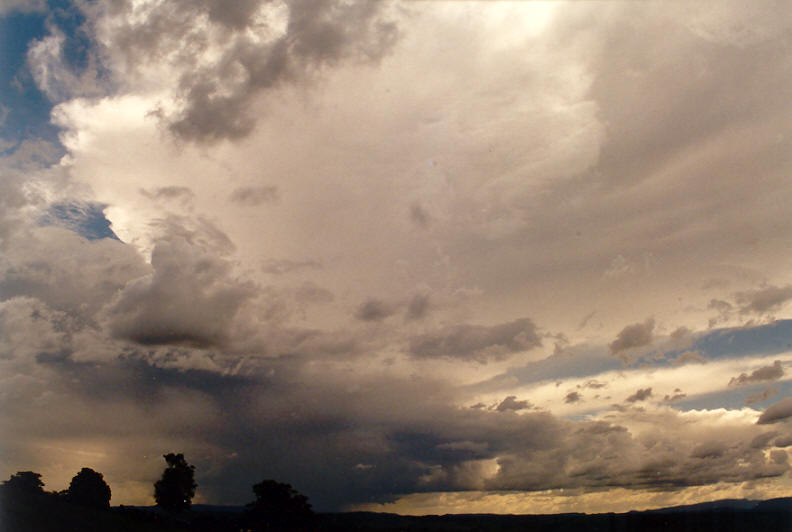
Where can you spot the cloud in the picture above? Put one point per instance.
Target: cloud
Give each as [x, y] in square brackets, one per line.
[475, 342]
[374, 310]
[759, 397]
[418, 307]
[252, 196]
[776, 412]
[632, 336]
[572, 397]
[169, 193]
[511, 403]
[256, 47]
[420, 216]
[640, 395]
[284, 266]
[690, 357]
[765, 373]
[763, 300]
[189, 298]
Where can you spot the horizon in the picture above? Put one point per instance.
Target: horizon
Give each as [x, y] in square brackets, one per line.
[429, 257]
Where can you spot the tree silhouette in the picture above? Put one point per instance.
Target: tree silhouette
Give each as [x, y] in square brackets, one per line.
[88, 488]
[278, 507]
[24, 482]
[175, 490]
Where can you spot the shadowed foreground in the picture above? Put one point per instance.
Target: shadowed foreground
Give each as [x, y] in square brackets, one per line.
[46, 513]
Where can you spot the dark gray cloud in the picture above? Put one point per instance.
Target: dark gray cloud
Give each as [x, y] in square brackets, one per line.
[189, 298]
[476, 342]
[763, 300]
[632, 336]
[765, 373]
[252, 196]
[511, 403]
[776, 412]
[216, 98]
[640, 395]
[374, 310]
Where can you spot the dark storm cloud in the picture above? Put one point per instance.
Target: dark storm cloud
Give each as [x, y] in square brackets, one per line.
[765, 373]
[476, 342]
[189, 298]
[777, 412]
[216, 98]
[640, 395]
[632, 336]
[252, 196]
[764, 300]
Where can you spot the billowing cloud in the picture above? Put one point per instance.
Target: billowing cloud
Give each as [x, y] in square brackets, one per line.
[254, 47]
[188, 298]
[477, 342]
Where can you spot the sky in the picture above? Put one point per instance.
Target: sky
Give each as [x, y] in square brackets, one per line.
[419, 257]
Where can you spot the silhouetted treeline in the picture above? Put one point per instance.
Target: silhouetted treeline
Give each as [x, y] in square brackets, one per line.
[26, 507]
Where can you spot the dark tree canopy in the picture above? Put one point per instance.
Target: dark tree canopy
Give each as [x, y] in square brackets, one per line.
[25, 482]
[88, 488]
[175, 490]
[278, 506]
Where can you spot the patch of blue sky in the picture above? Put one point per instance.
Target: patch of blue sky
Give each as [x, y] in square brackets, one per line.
[86, 219]
[738, 342]
[735, 397]
[26, 108]
[577, 363]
